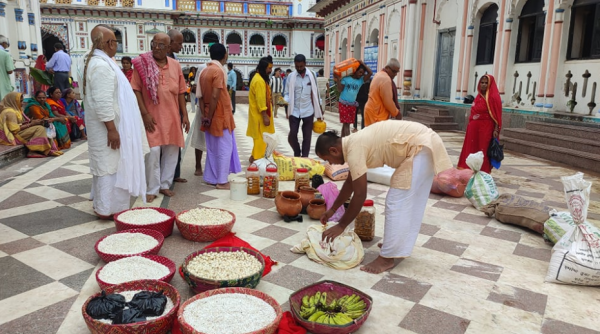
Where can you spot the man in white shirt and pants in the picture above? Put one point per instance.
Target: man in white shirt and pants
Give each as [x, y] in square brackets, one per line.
[303, 105]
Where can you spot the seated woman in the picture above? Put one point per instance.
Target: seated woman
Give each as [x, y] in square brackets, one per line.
[37, 108]
[74, 109]
[58, 109]
[17, 129]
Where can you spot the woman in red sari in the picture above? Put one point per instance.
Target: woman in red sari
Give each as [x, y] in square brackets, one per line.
[74, 123]
[485, 122]
[40, 64]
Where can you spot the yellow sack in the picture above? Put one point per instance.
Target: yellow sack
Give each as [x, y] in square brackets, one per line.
[344, 252]
[286, 166]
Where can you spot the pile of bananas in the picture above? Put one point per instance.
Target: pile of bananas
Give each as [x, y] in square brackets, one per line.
[340, 311]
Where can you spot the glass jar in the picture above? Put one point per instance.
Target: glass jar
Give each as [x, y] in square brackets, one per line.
[302, 178]
[253, 177]
[364, 224]
[271, 182]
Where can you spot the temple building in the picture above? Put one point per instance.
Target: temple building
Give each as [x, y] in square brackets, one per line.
[544, 54]
[249, 29]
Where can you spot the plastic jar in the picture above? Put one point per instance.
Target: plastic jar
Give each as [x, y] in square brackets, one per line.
[302, 178]
[364, 224]
[271, 182]
[253, 177]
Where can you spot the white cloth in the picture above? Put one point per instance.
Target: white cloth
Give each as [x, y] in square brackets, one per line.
[160, 167]
[290, 95]
[198, 138]
[108, 198]
[111, 98]
[404, 209]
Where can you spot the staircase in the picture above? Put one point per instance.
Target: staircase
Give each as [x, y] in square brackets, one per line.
[10, 154]
[438, 119]
[577, 146]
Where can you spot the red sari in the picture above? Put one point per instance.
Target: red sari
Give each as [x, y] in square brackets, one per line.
[486, 114]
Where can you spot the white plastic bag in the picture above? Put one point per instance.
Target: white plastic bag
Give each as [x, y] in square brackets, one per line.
[576, 256]
[51, 131]
[381, 175]
[481, 189]
[344, 252]
[559, 223]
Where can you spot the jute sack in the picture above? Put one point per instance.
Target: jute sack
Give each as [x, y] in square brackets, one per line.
[516, 210]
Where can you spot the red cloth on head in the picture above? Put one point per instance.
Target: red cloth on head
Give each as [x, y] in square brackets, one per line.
[230, 240]
[493, 100]
[289, 326]
[39, 63]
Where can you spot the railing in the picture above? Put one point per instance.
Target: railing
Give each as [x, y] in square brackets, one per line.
[319, 54]
[189, 49]
[105, 3]
[282, 53]
[256, 51]
[524, 89]
[186, 5]
[579, 93]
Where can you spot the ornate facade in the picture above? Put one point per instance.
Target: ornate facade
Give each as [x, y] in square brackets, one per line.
[250, 30]
[545, 54]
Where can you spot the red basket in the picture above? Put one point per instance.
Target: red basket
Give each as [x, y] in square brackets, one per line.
[269, 329]
[204, 233]
[334, 290]
[160, 259]
[113, 257]
[164, 227]
[158, 325]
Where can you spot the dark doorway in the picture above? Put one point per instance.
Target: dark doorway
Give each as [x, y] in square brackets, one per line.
[443, 72]
[48, 41]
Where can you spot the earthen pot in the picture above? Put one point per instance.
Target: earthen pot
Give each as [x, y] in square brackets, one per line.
[307, 194]
[316, 208]
[288, 203]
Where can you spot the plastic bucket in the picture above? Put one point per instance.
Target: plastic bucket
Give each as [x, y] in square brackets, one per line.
[237, 189]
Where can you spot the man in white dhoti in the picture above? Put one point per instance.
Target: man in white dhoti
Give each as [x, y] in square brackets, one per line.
[116, 137]
[198, 139]
[417, 153]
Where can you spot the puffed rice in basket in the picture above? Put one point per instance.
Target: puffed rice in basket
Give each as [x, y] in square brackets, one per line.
[106, 257]
[159, 325]
[165, 227]
[199, 284]
[269, 329]
[204, 233]
[156, 258]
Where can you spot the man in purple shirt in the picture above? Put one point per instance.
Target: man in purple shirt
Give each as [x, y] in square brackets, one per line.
[60, 66]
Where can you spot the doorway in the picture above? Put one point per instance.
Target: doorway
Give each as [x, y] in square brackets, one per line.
[443, 72]
[48, 41]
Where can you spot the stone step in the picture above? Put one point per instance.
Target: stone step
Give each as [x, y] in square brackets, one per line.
[575, 158]
[583, 132]
[432, 110]
[431, 118]
[434, 126]
[574, 143]
[10, 154]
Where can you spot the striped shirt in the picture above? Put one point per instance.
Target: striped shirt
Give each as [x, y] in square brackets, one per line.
[276, 85]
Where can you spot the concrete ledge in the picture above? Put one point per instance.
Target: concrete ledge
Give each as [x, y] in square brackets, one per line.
[10, 154]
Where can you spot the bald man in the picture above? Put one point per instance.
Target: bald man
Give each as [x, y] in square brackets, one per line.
[159, 87]
[116, 137]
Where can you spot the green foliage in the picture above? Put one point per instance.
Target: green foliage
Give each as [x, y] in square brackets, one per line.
[41, 77]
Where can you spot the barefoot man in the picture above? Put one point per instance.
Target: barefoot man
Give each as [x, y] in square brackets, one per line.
[159, 86]
[417, 153]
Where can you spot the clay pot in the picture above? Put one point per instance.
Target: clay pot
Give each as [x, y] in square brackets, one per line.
[307, 194]
[288, 203]
[316, 208]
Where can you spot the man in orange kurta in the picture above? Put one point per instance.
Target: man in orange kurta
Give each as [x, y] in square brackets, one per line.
[159, 87]
[381, 105]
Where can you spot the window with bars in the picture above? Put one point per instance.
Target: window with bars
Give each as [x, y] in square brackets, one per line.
[530, 39]
[584, 32]
[486, 42]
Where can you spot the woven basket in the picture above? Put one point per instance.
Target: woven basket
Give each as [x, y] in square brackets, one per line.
[164, 227]
[334, 290]
[113, 257]
[159, 325]
[199, 284]
[160, 259]
[204, 233]
[269, 329]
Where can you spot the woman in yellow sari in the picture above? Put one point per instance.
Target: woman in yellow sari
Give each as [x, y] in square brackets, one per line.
[37, 108]
[17, 129]
[260, 113]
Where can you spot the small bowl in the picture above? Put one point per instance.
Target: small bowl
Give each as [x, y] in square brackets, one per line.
[160, 259]
[199, 284]
[204, 233]
[165, 227]
[113, 257]
[269, 329]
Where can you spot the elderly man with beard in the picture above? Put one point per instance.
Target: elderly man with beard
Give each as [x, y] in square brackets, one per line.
[116, 137]
[159, 87]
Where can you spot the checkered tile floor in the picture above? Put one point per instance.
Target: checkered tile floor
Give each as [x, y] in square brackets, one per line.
[467, 274]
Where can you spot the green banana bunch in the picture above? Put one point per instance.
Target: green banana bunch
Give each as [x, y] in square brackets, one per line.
[338, 312]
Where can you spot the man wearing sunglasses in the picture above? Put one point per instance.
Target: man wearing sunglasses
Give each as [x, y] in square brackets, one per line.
[383, 97]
